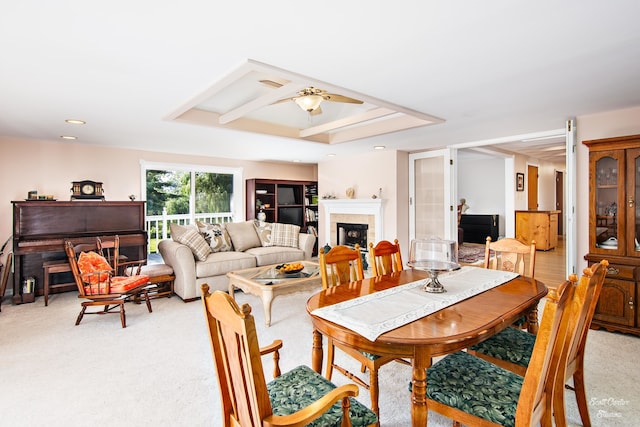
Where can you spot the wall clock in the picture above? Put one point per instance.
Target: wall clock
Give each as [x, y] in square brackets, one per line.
[86, 190]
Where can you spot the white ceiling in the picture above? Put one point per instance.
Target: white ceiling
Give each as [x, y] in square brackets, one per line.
[489, 69]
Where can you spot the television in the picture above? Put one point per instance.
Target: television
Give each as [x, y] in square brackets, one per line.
[286, 196]
[290, 216]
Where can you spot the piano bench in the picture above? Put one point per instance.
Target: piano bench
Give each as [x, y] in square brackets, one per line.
[53, 267]
[161, 275]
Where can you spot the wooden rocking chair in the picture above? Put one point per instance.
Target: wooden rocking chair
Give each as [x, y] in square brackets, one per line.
[99, 286]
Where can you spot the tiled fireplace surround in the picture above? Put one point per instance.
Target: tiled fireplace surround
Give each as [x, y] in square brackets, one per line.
[354, 211]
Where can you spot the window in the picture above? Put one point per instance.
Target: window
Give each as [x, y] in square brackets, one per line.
[183, 194]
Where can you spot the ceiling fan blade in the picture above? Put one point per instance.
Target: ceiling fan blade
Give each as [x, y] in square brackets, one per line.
[340, 98]
[316, 111]
[271, 83]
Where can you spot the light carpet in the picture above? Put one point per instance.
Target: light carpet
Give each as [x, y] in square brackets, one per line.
[159, 370]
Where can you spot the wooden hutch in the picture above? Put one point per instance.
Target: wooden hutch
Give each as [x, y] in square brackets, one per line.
[614, 221]
[284, 201]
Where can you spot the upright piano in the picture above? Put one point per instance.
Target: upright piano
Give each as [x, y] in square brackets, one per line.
[41, 227]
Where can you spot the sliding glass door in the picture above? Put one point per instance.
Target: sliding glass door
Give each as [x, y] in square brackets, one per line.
[183, 194]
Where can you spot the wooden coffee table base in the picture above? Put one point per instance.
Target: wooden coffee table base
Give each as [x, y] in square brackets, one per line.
[244, 280]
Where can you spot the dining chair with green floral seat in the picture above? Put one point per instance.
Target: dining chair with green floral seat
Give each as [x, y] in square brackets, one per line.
[385, 257]
[475, 392]
[509, 254]
[299, 397]
[339, 266]
[511, 348]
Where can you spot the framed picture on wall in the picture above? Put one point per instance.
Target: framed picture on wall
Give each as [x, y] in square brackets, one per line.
[519, 181]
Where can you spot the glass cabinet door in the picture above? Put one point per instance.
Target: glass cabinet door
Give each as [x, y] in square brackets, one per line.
[607, 233]
[633, 201]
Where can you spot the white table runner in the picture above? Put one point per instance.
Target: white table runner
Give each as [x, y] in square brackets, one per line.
[374, 314]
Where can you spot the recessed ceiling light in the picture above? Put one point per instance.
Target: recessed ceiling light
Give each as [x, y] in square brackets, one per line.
[75, 121]
[296, 161]
[379, 147]
[68, 137]
[331, 155]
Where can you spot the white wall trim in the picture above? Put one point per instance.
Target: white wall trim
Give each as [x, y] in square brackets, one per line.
[352, 207]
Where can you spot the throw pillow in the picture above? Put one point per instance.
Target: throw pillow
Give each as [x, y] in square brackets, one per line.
[243, 235]
[90, 263]
[216, 236]
[191, 238]
[285, 235]
[264, 232]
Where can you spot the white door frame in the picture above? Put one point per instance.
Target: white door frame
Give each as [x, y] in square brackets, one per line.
[449, 158]
[570, 184]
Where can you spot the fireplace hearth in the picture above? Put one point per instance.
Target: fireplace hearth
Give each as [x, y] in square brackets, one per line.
[351, 234]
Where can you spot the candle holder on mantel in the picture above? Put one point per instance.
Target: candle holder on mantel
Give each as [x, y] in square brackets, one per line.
[433, 255]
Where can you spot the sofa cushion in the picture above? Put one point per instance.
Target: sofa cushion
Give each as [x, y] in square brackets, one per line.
[220, 263]
[285, 235]
[243, 235]
[191, 238]
[216, 236]
[264, 232]
[275, 254]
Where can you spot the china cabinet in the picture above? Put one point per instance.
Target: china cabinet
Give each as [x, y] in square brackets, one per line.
[614, 218]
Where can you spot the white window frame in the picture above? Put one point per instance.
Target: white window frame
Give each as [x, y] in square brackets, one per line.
[237, 202]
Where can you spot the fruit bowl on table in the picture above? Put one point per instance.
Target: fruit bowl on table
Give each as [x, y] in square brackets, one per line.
[290, 268]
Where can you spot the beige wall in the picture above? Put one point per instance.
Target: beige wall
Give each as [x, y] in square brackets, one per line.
[50, 166]
[596, 126]
[384, 169]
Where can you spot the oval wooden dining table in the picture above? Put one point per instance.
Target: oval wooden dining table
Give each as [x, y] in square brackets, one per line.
[446, 331]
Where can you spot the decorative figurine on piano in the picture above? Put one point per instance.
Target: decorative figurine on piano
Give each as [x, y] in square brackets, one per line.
[83, 190]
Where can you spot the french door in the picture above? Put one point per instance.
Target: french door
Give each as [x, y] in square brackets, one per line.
[431, 194]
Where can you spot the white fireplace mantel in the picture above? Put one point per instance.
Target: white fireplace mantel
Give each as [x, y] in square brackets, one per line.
[353, 207]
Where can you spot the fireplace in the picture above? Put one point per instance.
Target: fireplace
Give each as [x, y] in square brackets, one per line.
[349, 234]
[351, 211]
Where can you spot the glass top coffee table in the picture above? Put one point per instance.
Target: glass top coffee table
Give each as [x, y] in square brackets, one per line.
[267, 282]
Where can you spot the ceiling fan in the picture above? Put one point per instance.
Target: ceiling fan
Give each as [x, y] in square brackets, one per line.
[309, 98]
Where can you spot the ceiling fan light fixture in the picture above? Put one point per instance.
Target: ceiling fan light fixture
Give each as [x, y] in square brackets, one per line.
[308, 102]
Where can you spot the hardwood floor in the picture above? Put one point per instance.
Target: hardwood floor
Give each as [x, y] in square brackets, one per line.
[551, 265]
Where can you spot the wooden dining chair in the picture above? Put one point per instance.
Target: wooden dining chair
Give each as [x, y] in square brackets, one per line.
[509, 254]
[342, 265]
[512, 349]
[295, 398]
[385, 257]
[475, 392]
[99, 286]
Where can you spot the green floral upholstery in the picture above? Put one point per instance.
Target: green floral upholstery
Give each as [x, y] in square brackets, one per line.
[370, 356]
[521, 322]
[475, 386]
[301, 387]
[511, 344]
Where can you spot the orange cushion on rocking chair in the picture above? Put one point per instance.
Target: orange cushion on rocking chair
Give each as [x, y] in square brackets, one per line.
[90, 263]
[120, 284]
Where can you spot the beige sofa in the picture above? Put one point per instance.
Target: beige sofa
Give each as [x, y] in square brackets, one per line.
[231, 246]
